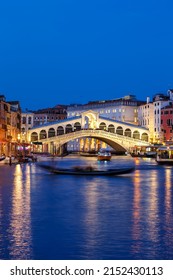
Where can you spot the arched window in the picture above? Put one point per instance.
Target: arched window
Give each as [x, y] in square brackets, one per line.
[77, 126]
[60, 130]
[29, 120]
[51, 132]
[119, 130]
[68, 128]
[144, 137]
[43, 134]
[111, 128]
[102, 126]
[24, 120]
[34, 136]
[128, 132]
[136, 134]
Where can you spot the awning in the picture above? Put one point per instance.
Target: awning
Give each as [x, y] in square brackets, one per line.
[37, 143]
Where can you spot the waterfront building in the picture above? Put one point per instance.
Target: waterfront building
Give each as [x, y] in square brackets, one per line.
[146, 117]
[10, 125]
[149, 115]
[122, 109]
[4, 111]
[159, 101]
[27, 122]
[42, 116]
[15, 125]
[167, 122]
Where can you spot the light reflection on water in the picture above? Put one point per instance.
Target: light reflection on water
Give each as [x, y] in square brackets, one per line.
[136, 227]
[91, 217]
[20, 221]
[152, 212]
[168, 208]
[153, 207]
[45, 216]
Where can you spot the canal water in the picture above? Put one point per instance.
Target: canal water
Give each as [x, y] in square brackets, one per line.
[46, 216]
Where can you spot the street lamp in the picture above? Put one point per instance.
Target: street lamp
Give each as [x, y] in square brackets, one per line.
[18, 137]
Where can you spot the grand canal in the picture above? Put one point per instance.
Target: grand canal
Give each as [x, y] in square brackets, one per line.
[46, 216]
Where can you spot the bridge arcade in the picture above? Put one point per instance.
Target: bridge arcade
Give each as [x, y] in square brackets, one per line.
[61, 132]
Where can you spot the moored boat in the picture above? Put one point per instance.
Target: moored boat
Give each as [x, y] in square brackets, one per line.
[103, 155]
[9, 160]
[88, 154]
[165, 155]
[20, 159]
[2, 158]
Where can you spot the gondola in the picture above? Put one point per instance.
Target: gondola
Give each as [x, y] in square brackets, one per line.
[89, 171]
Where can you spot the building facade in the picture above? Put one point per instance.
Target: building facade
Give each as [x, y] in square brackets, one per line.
[149, 115]
[167, 123]
[27, 122]
[42, 116]
[10, 126]
[123, 109]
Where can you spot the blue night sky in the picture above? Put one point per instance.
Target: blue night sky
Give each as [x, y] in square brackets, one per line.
[74, 51]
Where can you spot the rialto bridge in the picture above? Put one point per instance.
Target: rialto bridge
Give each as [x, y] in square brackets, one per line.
[89, 125]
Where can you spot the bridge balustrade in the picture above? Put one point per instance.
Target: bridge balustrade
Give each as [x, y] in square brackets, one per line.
[60, 131]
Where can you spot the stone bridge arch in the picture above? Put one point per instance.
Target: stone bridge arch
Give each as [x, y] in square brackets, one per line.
[116, 141]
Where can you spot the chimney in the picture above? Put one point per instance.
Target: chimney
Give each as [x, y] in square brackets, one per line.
[148, 100]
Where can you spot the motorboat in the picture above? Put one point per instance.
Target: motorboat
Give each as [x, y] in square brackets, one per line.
[165, 155]
[104, 155]
[88, 170]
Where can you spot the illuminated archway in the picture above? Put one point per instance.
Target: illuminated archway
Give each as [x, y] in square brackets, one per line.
[43, 134]
[51, 132]
[34, 136]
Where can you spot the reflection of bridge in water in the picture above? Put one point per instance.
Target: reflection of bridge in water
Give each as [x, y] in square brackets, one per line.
[119, 135]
